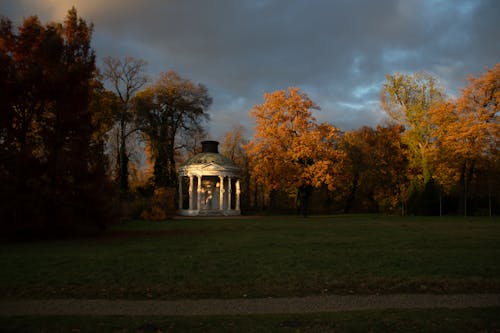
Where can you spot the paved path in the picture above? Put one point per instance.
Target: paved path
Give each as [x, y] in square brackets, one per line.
[330, 303]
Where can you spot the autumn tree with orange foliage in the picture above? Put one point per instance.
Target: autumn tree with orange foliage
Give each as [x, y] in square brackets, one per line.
[467, 136]
[290, 151]
[375, 177]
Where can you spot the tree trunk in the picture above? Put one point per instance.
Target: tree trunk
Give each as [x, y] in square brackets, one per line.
[440, 204]
[352, 194]
[303, 196]
[463, 192]
[123, 162]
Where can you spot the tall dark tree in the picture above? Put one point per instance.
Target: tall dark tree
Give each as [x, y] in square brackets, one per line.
[126, 77]
[171, 107]
[47, 131]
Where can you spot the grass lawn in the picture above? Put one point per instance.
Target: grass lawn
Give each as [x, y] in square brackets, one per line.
[436, 320]
[260, 257]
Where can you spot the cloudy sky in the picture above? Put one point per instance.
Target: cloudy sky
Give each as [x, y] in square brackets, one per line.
[338, 52]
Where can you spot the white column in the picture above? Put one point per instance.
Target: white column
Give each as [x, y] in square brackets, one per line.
[180, 192]
[198, 203]
[221, 193]
[237, 195]
[191, 198]
[229, 193]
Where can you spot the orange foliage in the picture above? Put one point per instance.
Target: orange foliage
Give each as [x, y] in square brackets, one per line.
[161, 206]
[375, 168]
[290, 149]
[467, 130]
[149, 160]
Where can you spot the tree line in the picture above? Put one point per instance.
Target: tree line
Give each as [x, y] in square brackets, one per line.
[436, 155]
[69, 129]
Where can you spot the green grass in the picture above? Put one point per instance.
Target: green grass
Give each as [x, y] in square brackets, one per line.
[260, 257]
[436, 320]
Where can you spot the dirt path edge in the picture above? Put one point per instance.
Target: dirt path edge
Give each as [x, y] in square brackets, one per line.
[331, 303]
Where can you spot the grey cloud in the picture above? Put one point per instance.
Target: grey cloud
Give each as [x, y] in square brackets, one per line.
[337, 51]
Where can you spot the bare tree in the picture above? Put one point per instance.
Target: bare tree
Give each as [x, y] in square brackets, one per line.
[233, 146]
[189, 144]
[126, 76]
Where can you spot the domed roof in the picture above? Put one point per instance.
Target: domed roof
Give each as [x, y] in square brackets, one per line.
[205, 158]
[209, 160]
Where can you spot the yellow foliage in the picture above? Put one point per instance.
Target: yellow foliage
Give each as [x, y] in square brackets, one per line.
[407, 99]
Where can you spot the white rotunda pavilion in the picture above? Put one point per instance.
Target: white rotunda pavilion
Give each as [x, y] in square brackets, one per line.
[209, 184]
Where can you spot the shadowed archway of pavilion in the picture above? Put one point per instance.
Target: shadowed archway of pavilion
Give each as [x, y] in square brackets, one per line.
[209, 184]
